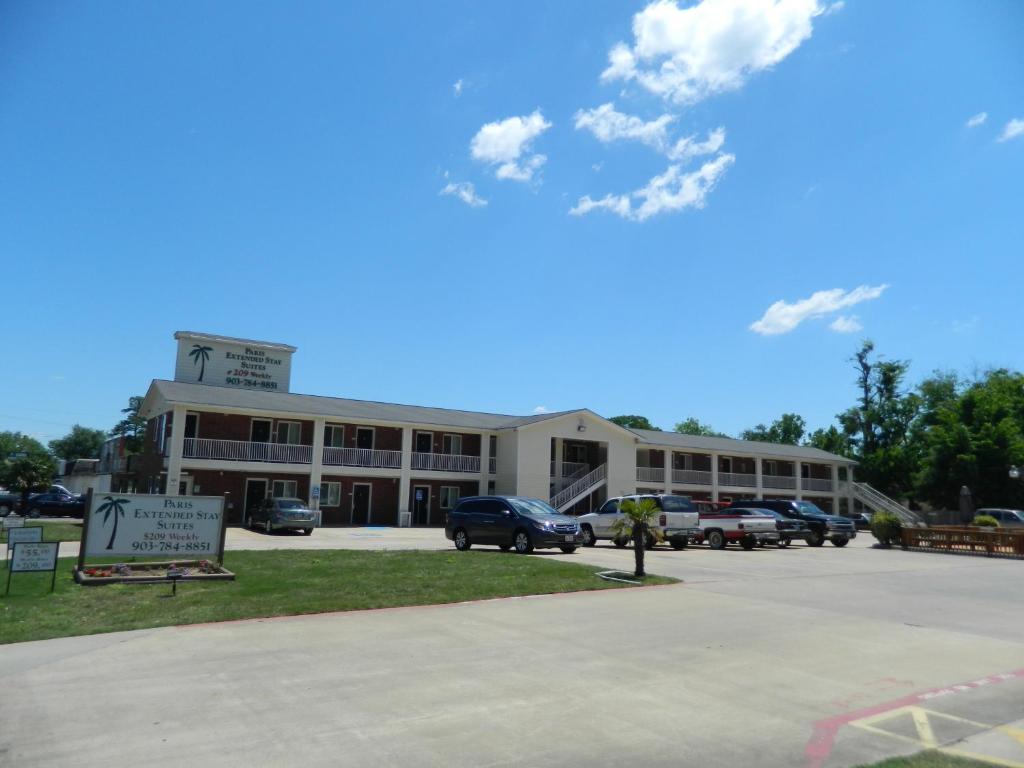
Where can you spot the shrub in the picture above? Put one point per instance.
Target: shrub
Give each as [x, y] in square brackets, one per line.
[986, 521]
[886, 527]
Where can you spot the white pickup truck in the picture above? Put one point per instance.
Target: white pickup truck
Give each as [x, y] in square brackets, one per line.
[676, 523]
[747, 526]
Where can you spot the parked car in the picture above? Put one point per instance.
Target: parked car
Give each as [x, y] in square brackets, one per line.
[787, 527]
[838, 530]
[745, 525]
[275, 514]
[58, 501]
[861, 521]
[1008, 518]
[677, 523]
[511, 521]
[8, 502]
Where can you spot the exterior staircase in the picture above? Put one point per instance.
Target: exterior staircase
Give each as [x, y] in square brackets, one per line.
[879, 502]
[580, 488]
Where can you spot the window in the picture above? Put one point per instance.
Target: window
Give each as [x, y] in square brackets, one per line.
[334, 436]
[330, 495]
[364, 437]
[191, 425]
[769, 468]
[449, 496]
[424, 442]
[609, 507]
[452, 445]
[289, 432]
[725, 464]
[493, 439]
[284, 489]
[161, 432]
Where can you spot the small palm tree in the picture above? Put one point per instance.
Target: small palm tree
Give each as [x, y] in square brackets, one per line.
[635, 524]
[113, 506]
[200, 354]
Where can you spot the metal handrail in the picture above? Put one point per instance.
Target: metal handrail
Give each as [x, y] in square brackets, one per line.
[580, 486]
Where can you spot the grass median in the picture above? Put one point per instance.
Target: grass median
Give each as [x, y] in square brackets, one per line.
[928, 759]
[285, 583]
[54, 530]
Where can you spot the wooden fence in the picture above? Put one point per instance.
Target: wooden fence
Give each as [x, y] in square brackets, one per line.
[962, 539]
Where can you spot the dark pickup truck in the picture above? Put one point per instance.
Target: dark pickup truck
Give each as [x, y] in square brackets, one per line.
[820, 524]
[8, 502]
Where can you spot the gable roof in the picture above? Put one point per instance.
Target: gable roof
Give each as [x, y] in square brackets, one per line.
[338, 408]
[729, 445]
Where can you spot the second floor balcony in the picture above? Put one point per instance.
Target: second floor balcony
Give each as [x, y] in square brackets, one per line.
[245, 450]
[446, 462]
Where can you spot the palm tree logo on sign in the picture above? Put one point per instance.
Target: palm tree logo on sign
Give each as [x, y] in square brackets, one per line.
[112, 507]
[200, 355]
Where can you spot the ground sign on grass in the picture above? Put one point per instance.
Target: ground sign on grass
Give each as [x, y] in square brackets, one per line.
[281, 583]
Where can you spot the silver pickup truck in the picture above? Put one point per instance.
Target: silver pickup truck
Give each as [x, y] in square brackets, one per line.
[676, 522]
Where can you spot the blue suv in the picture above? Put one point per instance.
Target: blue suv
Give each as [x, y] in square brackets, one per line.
[511, 522]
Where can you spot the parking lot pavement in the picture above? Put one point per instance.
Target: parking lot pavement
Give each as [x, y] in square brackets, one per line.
[773, 658]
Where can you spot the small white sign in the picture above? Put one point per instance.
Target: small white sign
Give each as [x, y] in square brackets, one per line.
[13, 521]
[166, 526]
[31, 535]
[26, 557]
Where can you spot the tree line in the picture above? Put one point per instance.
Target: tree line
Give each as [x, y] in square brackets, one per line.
[919, 443]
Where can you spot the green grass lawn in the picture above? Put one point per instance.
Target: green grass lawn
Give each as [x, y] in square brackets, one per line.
[55, 531]
[929, 759]
[281, 583]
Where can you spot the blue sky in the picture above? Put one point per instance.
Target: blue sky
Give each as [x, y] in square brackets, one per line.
[276, 171]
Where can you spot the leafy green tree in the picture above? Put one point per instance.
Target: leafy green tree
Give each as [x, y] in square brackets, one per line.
[634, 422]
[971, 438]
[80, 443]
[788, 429]
[132, 427]
[879, 427]
[635, 524]
[692, 426]
[830, 439]
[25, 466]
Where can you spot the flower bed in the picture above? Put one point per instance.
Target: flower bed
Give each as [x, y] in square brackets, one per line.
[149, 573]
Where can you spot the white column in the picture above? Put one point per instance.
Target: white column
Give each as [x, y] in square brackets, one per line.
[800, 480]
[405, 473]
[714, 477]
[759, 476]
[177, 449]
[835, 489]
[668, 470]
[316, 471]
[849, 487]
[485, 462]
[559, 456]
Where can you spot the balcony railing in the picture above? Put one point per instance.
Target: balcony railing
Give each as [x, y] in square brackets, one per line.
[650, 474]
[737, 479]
[816, 484]
[691, 476]
[779, 481]
[362, 457]
[446, 462]
[243, 450]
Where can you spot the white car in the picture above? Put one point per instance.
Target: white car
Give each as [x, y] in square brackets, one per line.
[677, 522]
[739, 524]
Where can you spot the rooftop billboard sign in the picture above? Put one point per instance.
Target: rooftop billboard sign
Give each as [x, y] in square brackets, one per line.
[221, 361]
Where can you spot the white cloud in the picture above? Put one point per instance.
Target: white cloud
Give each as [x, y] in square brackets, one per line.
[687, 54]
[835, 7]
[977, 120]
[846, 324]
[541, 409]
[688, 147]
[609, 125]
[781, 317]
[466, 192]
[504, 143]
[1012, 129]
[673, 190]
[457, 87]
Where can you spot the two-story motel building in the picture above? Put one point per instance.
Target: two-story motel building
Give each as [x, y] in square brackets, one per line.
[228, 423]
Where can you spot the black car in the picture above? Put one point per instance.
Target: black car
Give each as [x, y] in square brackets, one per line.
[57, 502]
[511, 521]
[789, 528]
[822, 526]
